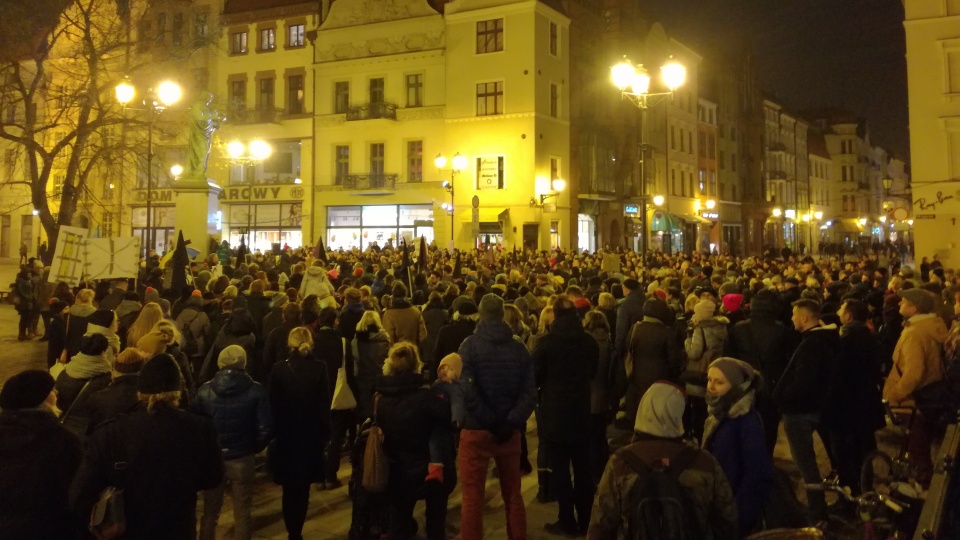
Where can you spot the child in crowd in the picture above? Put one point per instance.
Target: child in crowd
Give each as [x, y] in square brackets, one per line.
[443, 444]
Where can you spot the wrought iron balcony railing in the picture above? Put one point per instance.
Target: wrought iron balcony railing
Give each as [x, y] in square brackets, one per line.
[372, 111]
[362, 182]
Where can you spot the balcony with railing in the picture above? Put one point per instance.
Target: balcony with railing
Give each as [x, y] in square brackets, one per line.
[372, 111]
[262, 115]
[368, 182]
[778, 175]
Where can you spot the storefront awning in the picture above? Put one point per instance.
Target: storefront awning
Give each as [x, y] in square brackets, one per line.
[850, 226]
[664, 222]
[487, 215]
[693, 218]
[491, 227]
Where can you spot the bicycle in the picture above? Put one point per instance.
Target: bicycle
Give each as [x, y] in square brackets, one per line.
[879, 470]
[893, 516]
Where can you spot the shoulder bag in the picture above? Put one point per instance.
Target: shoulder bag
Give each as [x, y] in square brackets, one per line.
[376, 467]
[343, 398]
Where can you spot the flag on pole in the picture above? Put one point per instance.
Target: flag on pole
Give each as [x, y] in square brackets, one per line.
[320, 251]
[422, 258]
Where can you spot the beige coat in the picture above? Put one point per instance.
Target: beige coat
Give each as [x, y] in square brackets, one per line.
[404, 324]
[916, 359]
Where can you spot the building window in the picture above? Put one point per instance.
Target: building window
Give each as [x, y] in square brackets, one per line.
[415, 90]
[266, 101]
[843, 170]
[722, 164]
[161, 27]
[554, 39]
[414, 161]
[107, 193]
[376, 159]
[673, 182]
[682, 148]
[489, 36]
[295, 35]
[238, 95]
[733, 162]
[341, 97]
[690, 142]
[554, 170]
[295, 94]
[683, 183]
[673, 137]
[106, 227]
[58, 180]
[376, 90]
[342, 156]
[178, 28]
[201, 28]
[201, 78]
[703, 181]
[268, 39]
[238, 43]
[10, 161]
[702, 139]
[490, 98]
[554, 100]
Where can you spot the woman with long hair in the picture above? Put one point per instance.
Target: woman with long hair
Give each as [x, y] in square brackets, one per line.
[150, 315]
[300, 403]
[370, 348]
[408, 412]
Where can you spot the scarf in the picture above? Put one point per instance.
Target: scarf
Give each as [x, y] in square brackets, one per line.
[83, 366]
[737, 402]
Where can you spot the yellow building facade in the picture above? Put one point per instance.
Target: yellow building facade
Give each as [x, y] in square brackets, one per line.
[933, 79]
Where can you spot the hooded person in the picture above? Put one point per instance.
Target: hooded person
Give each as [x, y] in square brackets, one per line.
[38, 459]
[171, 454]
[315, 281]
[105, 323]
[733, 434]
[658, 443]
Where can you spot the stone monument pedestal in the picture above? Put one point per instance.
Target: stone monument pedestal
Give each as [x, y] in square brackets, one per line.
[198, 205]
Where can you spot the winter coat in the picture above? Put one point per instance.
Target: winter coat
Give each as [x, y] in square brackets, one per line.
[737, 442]
[112, 301]
[855, 400]
[498, 378]
[705, 344]
[119, 397]
[350, 315]
[764, 342]
[70, 383]
[704, 480]
[565, 361]
[611, 315]
[601, 386]
[889, 334]
[315, 281]
[240, 411]
[917, 358]
[275, 348]
[27, 292]
[434, 318]
[112, 339]
[171, 454]
[300, 405]
[71, 333]
[195, 321]
[369, 351]
[272, 321]
[222, 341]
[328, 347]
[658, 354]
[808, 378]
[408, 412]
[126, 307]
[258, 305]
[451, 336]
[629, 313]
[404, 322]
[38, 459]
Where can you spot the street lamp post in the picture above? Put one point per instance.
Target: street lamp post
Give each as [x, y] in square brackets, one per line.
[165, 95]
[634, 84]
[251, 154]
[458, 164]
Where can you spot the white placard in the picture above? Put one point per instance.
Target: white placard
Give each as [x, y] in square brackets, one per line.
[108, 258]
[490, 172]
[68, 256]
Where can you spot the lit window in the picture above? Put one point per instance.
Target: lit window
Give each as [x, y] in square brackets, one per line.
[268, 38]
[295, 35]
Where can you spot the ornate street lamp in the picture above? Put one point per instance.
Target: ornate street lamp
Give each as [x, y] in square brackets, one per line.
[459, 163]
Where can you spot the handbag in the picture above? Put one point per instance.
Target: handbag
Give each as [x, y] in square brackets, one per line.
[74, 424]
[343, 398]
[108, 519]
[938, 401]
[376, 467]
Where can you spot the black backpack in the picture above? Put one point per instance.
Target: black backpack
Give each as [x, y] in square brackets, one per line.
[660, 507]
[190, 345]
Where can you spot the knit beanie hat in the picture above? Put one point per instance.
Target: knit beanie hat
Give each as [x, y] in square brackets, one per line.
[736, 371]
[232, 356]
[732, 302]
[153, 343]
[491, 307]
[661, 411]
[102, 317]
[151, 295]
[922, 299]
[454, 363]
[704, 310]
[26, 390]
[197, 293]
[467, 306]
[130, 360]
[160, 374]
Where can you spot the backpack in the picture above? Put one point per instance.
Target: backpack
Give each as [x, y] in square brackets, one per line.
[939, 401]
[661, 508]
[190, 346]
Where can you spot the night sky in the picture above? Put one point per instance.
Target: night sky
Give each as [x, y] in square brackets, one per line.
[810, 53]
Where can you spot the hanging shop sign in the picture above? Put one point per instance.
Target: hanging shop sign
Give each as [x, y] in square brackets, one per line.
[156, 196]
[261, 193]
[631, 209]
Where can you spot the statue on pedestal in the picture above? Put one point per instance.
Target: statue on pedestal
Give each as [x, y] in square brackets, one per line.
[204, 121]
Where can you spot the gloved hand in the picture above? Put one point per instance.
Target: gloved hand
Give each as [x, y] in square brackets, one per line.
[434, 472]
[503, 433]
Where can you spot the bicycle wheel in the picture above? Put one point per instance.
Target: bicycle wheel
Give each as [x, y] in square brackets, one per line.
[877, 473]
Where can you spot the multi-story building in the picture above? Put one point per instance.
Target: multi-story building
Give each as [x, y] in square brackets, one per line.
[787, 178]
[823, 209]
[933, 81]
[487, 80]
[707, 180]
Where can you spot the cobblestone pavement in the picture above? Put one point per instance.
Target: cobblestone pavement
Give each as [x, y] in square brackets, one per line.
[329, 513]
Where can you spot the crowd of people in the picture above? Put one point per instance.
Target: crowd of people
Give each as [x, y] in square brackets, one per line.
[166, 388]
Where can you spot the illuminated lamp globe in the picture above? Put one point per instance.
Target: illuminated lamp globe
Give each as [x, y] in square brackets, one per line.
[260, 150]
[863, 221]
[658, 200]
[818, 215]
[125, 93]
[623, 74]
[169, 93]
[711, 204]
[440, 161]
[641, 82]
[674, 75]
[235, 149]
[459, 162]
[777, 212]
[176, 170]
[558, 184]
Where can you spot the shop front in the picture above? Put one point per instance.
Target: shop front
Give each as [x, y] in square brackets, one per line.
[360, 227]
[263, 216]
[163, 221]
[666, 232]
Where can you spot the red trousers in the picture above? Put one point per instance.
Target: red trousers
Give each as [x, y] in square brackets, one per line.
[477, 447]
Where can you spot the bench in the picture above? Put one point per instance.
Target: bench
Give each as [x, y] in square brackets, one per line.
[3, 295]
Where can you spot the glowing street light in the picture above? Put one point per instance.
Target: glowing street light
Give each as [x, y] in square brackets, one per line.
[658, 200]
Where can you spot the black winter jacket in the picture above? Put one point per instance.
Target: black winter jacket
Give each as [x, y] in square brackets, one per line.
[565, 361]
[629, 313]
[38, 459]
[119, 397]
[764, 342]
[499, 387]
[172, 454]
[855, 399]
[451, 337]
[240, 411]
[408, 413]
[300, 404]
[807, 380]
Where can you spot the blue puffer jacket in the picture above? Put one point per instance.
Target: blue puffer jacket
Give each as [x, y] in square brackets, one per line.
[498, 378]
[240, 411]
